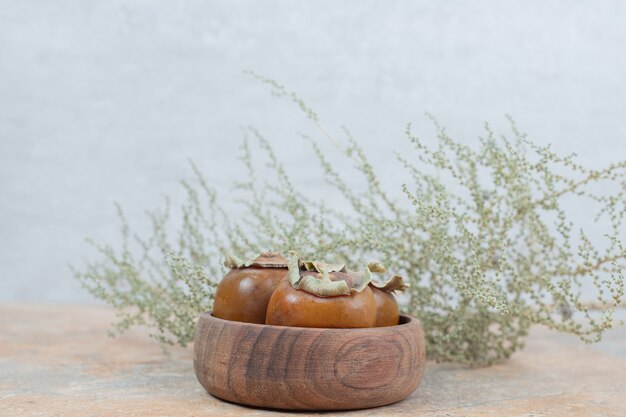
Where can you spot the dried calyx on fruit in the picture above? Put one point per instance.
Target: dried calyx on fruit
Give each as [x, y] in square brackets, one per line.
[395, 283]
[244, 292]
[261, 260]
[319, 294]
[315, 278]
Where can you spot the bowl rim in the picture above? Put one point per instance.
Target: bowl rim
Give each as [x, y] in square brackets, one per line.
[405, 321]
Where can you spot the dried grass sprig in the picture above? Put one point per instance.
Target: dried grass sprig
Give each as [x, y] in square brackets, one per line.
[483, 236]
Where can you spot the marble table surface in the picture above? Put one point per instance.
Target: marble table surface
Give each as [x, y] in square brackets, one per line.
[58, 361]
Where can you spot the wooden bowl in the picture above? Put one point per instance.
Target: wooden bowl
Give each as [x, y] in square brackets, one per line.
[300, 368]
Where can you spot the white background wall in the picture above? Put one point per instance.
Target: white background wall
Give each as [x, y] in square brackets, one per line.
[104, 101]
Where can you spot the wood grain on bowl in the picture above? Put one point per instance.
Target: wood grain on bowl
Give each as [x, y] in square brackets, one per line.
[307, 368]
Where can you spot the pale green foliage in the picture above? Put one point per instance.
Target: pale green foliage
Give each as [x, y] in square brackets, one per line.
[482, 236]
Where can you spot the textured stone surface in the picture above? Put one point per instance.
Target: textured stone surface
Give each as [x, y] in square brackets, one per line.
[58, 361]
